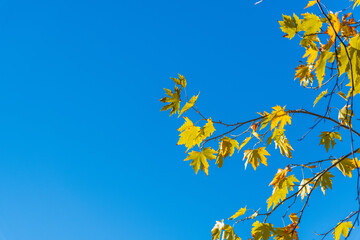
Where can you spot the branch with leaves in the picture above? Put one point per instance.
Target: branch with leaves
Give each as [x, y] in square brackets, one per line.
[331, 42]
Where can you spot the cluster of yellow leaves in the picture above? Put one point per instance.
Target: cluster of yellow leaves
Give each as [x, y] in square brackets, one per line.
[263, 231]
[225, 230]
[278, 118]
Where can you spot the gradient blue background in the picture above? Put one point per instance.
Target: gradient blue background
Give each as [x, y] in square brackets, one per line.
[85, 152]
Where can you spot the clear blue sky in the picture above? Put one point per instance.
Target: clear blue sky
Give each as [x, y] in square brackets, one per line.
[85, 152]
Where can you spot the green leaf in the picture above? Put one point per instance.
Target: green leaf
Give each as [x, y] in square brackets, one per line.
[342, 229]
[238, 213]
[323, 93]
[199, 159]
[189, 105]
[327, 138]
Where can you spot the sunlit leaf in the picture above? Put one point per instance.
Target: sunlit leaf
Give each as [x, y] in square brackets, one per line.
[255, 157]
[199, 159]
[323, 93]
[342, 229]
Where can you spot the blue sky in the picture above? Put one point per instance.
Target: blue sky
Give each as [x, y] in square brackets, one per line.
[85, 152]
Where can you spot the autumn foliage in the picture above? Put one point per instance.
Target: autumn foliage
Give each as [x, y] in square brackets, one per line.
[331, 66]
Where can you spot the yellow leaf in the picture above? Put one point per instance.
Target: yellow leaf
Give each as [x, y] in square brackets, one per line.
[279, 176]
[216, 231]
[342, 229]
[189, 105]
[189, 134]
[281, 190]
[199, 159]
[244, 142]
[173, 99]
[255, 157]
[311, 3]
[323, 93]
[311, 55]
[346, 166]
[334, 19]
[207, 130]
[311, 23]
[278, 117]
[294, 218]
[226, 148]
[304, 74]
[261, 231]
[327, 138]
[238, 213]
[290, 25]
[356, 3]
[320, 66]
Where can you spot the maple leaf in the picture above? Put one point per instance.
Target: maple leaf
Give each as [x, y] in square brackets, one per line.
[238, 213]
[278, 117]
[279, 176]
[181, 80]
[304, 188]
[327, 138]
[173, 99]
[320, 66]
[281, 190]
[345, 166]
[226, 148]
[342, 229]
[334, 19]
[199, 159]
[326, 181]
[290, 25]
[304, 74]
[323, 93]
[207, 130]
[188, 105]
[281, 141]
[261, 231]
[255, 157]
[311, 23]
[311, 55]
[189, 134]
